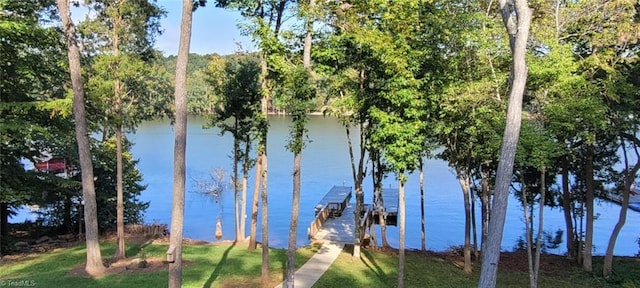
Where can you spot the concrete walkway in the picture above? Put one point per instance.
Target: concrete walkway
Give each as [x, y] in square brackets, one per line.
[335, 233]
[311, 271]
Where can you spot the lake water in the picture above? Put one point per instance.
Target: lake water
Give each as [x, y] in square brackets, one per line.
[325, 162]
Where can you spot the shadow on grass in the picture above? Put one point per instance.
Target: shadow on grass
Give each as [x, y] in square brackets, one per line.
[48, 269]
[133, 249]
[216, 272]
[283, 266]
[374, 267]
[282, 258]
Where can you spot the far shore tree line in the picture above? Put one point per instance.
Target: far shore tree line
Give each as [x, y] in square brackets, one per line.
[536, 98]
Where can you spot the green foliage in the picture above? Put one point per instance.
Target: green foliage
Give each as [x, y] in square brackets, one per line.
[146, 93]
[201, 97]
[33, 106]
[125, 84]
[61, 197]
[536, 152]
[470, 127]
[235, 84]
[135, 23]
[197, 62]
[104, 169]
[386, 69]
[470, 112]
[298, 90]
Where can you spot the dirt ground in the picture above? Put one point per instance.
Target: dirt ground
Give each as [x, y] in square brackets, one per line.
[132, 265]
[551, 265]
[126, 266]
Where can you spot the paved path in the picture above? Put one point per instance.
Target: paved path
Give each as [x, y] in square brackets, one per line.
[335, 233]
[310, 272]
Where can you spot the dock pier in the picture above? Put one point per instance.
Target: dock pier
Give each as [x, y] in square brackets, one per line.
[335, 216]
[332, 206]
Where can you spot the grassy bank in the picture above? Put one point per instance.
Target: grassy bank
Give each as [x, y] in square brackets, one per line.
[444, 270]
[233, 266]
[206, 266]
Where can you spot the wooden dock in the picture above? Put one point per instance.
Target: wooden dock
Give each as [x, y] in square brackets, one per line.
[634, 198]
[340, 229]
[335, 216]
[391, 202]
[335, 200]
[332, 206]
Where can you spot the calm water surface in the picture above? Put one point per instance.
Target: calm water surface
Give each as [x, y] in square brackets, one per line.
[325, 162]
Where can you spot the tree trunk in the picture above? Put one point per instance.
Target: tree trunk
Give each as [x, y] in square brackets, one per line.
[117, 85]
[423, 239]
[376, 192]
[358, 178]
[579, 230]
[531, 208]
[485, 199]
[474, 227]
[381, 219]
[280, 11]
[588, 237]
[236, 187]
[120, 249]
[379, 201]
[265, 219]
[4, 226]
[566, 206]
[626, 191]
[94, 265]
[527, 228]
[179, 163]
[518, 30]
[245, 179]
[67, 215]
[306, 50]
[357, 183]
[297, 159]
[463, 179]
[264, 70]
[401, 216]
[264, 171]
[254, 204]
[293, 228]
[543, 195]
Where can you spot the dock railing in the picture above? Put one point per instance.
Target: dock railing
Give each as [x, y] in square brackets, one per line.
[331, 206]
[317, 223]
[365, 223]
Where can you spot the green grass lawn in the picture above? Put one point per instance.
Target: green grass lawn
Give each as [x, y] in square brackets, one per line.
[380, 270]
[234, 266]
[207, 266]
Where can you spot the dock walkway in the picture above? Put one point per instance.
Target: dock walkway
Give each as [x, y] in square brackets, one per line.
[339, 229]
[634, 199]
[335, 233]
[334, 226]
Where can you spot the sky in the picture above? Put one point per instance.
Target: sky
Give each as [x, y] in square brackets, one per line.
[214, 30]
